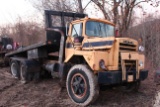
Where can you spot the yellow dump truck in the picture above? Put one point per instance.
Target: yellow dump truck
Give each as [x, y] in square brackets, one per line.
[88, 55]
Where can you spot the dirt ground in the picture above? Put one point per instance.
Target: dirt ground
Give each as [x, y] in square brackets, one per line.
[46, 93]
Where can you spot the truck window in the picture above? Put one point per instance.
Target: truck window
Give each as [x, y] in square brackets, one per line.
[77, 30]
[99, 29]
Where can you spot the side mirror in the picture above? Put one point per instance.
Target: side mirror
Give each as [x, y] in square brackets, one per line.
[117, 33]
[78, 39]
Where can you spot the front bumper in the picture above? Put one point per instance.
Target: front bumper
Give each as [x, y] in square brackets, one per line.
[115, 77]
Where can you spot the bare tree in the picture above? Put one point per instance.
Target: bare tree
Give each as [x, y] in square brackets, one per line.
[120, 11]
[25, 33]
[149, 31]
[80, 6]
[60, 5]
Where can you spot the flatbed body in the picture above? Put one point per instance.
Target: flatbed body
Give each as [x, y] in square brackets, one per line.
[24, 49]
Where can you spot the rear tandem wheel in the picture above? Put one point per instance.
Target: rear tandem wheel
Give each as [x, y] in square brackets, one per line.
[23, 73]
[14, 68]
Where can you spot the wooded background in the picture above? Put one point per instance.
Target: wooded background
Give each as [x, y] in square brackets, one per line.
[121, 12]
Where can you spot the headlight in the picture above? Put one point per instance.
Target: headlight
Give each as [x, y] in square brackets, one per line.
[102, 64]
[141, 48]
[141, 63]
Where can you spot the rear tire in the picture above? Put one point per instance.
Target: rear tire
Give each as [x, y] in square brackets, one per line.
[23, 73]
[15, 69]
[82, 85]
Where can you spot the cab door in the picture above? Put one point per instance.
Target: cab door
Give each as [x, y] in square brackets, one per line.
[74, 39]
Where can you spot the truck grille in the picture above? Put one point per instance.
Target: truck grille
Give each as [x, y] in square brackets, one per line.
[130, 64]
[127, 47]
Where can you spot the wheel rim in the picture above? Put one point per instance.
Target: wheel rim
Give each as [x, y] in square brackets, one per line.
[14, 69]
[79, 85]
[22, 73]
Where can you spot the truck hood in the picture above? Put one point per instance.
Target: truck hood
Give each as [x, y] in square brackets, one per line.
[127, 41]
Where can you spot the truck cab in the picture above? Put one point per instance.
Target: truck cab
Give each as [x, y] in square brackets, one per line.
[91, 45]
[94, 40]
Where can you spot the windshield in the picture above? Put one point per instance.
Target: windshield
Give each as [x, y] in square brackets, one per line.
[99, 29]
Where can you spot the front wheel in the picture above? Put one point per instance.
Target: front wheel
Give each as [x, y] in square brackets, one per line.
[82, 85]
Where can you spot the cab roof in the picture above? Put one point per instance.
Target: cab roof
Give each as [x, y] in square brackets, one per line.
[94, 19]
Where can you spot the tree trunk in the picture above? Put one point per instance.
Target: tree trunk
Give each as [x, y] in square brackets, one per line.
[80, 6]
[115, 12]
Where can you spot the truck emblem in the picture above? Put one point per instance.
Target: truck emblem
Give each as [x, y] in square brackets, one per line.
[128, 42]
[129, 56]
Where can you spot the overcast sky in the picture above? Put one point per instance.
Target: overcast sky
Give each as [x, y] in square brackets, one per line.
[11, 10]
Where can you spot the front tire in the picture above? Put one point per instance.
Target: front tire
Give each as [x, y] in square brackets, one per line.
[82, 85]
